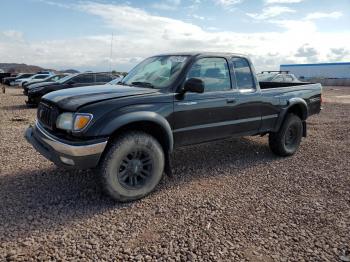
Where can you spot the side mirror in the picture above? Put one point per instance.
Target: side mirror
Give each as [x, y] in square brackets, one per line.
[194, 85]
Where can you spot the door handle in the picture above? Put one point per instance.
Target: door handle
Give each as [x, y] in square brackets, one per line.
[230, 101]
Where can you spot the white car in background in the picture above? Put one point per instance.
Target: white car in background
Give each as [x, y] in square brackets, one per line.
[37, 77]
[277, 76]
[49, 78]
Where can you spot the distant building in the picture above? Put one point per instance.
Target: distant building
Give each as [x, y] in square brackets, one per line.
[2, 71]
[321, 70]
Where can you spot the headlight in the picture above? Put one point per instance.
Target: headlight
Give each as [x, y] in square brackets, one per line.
[65, 121]
[73, 122]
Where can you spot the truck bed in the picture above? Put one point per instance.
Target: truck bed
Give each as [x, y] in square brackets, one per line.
[268, 85]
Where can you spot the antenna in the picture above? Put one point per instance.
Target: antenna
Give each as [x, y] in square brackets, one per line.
[111, 55]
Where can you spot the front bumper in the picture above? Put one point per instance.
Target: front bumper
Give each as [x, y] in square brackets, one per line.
[81, 155]
[33, 99]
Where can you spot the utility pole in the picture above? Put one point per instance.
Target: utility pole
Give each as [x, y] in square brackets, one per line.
[111, 55]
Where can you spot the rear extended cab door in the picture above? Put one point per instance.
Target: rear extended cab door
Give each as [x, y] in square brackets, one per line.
[247, 107]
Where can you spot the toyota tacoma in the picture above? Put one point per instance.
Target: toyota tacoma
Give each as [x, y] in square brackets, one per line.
[128, 131]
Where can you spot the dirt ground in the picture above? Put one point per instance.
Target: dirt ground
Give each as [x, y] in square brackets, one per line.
[228, 200]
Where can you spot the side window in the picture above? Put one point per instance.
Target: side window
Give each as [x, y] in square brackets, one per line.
[84, 79]
[41, 77]
[289, 78]
[243, 73]
[278, 78]
[214, 72]
[102, 78]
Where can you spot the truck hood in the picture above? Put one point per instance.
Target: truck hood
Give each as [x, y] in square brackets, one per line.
[40, 84]
[72, 98]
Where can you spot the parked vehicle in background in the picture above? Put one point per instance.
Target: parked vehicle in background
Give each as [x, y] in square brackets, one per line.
[20, 82]
[45, 72]
[276, 76]
[4, 75]
[76, 80]
[9, 80]
[129, 130]
[115, 80]
[49, 79]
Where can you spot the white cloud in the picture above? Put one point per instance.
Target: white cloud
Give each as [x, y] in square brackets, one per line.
[306, 51]
[320, 15]
[228, 3]
[338, 54]
[283, 1]
[139, 34]
[167, 4]
[198, 17]
[271, 12]
[11, 34]
[302, 26]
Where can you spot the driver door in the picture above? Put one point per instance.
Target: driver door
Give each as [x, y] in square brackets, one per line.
[200, 117]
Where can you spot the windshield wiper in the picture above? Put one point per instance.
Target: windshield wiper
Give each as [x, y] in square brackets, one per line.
[145, 84]
[122, 83]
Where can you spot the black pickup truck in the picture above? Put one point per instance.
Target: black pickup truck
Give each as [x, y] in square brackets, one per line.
[128, 131]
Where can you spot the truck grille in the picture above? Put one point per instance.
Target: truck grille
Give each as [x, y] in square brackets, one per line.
[47, 115]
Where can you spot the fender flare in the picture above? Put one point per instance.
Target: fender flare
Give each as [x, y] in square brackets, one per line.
[296, 101]
[300, 102]
[129, 118]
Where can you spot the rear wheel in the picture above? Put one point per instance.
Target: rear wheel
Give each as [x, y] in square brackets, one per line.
[286, 141]
[132, 166]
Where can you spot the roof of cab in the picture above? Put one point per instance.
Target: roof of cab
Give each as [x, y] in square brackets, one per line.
[224, 54]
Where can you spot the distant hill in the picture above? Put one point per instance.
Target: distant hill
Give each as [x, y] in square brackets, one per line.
[20, 68]
[70, 71]
[24, 68]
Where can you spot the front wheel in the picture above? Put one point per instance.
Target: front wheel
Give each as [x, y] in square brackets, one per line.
[132, 166]
[286, 141]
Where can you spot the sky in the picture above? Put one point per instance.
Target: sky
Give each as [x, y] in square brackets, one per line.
[101, 35]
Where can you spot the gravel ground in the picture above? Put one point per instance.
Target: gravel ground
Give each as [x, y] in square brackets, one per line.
[228, 200]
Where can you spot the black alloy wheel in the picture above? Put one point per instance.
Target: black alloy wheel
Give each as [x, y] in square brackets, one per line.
[135, 170]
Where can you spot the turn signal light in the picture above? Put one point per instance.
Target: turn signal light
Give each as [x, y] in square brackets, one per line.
[81, 121]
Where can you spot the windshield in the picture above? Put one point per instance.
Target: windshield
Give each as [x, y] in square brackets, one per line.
[64, 79]
[265, 77]
[115, 81]
[156, 72]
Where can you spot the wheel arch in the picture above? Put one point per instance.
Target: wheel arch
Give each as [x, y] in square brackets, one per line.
[297, 106]
[148, 122]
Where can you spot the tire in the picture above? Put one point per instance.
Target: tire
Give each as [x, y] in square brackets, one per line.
[132, 166]
[286, 141]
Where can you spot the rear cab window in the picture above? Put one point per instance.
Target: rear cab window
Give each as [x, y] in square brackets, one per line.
[289, 78]
[243, 74]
